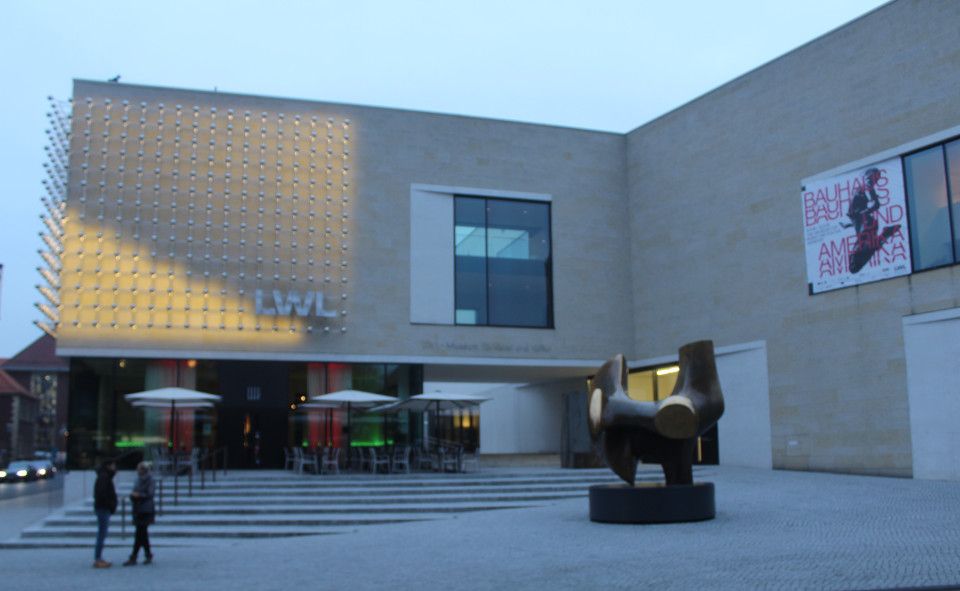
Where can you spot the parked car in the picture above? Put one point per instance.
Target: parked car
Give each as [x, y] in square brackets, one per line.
[44, 468]
[19, 471]
[25, 470]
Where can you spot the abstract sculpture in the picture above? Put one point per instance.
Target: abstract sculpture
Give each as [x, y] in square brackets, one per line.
[627, 430]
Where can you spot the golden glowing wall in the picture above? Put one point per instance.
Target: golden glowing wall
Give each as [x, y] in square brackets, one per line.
[177, 214]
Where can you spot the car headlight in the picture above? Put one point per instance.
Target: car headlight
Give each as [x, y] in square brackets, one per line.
[22, 473]
[42, 472]
[3, 474]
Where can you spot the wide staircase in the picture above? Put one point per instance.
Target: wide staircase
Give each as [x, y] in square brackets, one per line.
[261, 504]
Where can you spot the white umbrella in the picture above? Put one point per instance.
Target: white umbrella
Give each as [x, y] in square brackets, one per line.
[182, 405]
[351, 398]
[436, 400]
[172, 397]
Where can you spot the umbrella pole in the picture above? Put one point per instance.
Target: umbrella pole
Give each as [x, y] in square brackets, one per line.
[436, 423]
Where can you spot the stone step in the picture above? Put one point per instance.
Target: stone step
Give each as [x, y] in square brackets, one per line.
[248, 520]
[309, 482]
[358, 499]
[369, 492]
[219, 531]
[281, 504]
[258, 509]
[113, 541]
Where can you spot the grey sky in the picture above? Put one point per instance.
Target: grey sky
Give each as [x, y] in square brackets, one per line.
[599, 64]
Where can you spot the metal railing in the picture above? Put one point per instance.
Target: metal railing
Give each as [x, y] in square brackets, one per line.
[209, 463]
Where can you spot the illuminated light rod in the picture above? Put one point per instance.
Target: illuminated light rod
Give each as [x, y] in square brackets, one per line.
[52, 243]
[48, 312]
[46, 328]
[52, 260]
[293, 302]
[54, 209]
[50, 278]
[52, 225]
[49, 294]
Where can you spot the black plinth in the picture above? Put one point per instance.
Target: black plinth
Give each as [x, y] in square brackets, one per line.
[652, 503]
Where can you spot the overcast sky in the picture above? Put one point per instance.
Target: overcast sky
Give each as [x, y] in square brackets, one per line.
[599, 64]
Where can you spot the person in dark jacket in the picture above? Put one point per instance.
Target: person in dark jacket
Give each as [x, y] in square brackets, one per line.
[104, 505]
[143, 511]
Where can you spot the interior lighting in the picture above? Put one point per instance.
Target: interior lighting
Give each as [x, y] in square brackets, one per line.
[668, 370]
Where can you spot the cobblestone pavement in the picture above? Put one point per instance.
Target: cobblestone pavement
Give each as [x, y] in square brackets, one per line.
[774, 530]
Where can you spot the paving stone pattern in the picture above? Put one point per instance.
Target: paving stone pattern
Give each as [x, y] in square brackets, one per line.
[774, 530]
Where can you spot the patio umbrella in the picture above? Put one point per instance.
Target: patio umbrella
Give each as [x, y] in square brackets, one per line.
[163, 397]
[351, 398]
[432, 400]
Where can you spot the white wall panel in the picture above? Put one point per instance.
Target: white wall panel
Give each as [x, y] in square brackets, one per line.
[932, 343]
[744, 428]
[431, 257]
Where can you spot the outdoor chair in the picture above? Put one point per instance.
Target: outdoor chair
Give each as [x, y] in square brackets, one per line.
[378, 459]
[330, 461]
[450, 458]
[307, 459]
[358, 460]
[162, 461]
[289, 459]
[472, 459]
[192, 462]
[426, 460]
[401, 459]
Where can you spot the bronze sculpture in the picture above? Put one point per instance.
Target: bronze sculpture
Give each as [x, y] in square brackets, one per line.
[627, 430]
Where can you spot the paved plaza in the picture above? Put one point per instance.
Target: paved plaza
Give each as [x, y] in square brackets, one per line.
[774, 530]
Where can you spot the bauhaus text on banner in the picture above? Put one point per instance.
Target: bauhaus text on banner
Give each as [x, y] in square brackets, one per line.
[855, 227]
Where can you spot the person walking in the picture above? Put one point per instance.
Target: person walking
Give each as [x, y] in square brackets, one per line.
[143, 513]
[104, 505]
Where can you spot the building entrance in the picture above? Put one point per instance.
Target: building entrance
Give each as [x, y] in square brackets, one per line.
[253, 414]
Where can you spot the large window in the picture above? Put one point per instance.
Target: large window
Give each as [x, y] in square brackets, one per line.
[502, 268]
[932, 179]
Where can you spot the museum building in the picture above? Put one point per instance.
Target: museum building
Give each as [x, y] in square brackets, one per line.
[803, 216]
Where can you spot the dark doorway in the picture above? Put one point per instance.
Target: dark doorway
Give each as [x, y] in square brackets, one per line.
[253, 414]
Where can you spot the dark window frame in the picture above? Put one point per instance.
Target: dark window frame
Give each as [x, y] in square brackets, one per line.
[942, 144]
[548, 263]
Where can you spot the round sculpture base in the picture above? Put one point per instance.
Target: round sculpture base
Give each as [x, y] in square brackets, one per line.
[652, 503]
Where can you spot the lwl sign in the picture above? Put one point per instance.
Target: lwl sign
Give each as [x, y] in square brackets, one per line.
[283, 304]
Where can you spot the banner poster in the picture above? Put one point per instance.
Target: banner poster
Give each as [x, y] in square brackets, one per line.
[855, 227]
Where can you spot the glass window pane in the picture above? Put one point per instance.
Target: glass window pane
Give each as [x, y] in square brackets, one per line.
[640, 386]
[470, 266]
[953, 172]
[518, 247]
[470, 227]
[666, 381]
[518, 230]
[930, 237]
